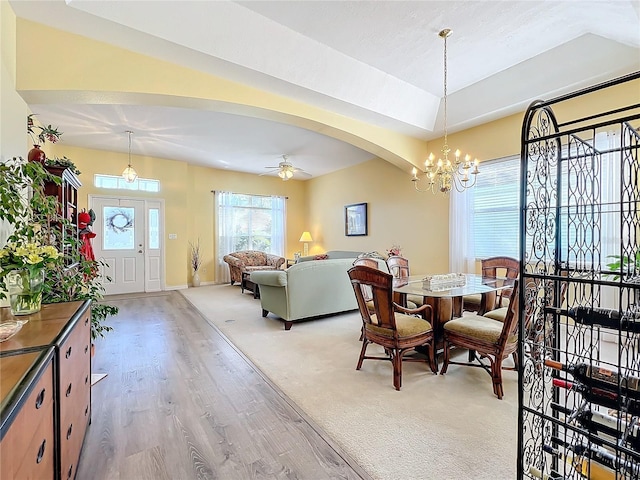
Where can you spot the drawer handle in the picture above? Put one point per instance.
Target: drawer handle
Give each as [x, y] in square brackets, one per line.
[69, 431]
[86, 379]
[86, 321]
[86, 410]
[68, 390]
[68, 354]
[41, 451]
[86, 349]
[40, 399]
[70, 471]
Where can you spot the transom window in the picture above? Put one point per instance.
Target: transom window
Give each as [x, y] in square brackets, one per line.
[119, 183]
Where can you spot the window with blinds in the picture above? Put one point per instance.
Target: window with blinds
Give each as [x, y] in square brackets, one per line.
[495, 209]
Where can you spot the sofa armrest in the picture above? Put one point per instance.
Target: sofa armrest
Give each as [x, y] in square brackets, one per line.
[275, 261]
[273, 278]
[234, 261]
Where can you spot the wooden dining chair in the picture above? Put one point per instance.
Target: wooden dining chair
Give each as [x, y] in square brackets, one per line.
[397, 329]
[493, 267]
[488, 338]
[399, 268]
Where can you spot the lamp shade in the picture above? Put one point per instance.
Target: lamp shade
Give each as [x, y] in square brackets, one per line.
[306, 237]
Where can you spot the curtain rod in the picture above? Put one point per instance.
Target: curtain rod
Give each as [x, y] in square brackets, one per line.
[251, 194]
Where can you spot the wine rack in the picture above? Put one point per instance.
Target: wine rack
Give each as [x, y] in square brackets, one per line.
[579, 374]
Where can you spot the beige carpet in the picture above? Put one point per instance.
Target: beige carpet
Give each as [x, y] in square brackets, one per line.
[437, 427]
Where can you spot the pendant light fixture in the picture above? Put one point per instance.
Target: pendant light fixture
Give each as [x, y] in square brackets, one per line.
[446, 174]
[129, 174]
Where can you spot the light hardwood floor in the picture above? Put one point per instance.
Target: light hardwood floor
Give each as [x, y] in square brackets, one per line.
[180, 402]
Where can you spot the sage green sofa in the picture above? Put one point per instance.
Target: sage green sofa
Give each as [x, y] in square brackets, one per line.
[306, 290]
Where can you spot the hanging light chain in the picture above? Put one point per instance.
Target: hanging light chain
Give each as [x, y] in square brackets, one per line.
[444, 34]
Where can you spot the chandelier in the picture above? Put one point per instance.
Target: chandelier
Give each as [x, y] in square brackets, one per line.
[129, 174]
[445, 174]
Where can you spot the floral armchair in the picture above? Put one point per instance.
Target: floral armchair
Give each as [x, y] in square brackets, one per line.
[247, 261]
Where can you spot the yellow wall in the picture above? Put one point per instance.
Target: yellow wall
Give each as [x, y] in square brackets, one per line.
[397, 214]
[188, 201]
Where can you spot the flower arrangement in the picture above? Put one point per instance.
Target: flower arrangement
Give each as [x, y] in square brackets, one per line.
[29, 256]
[22, 266]
[394, 250]
[45, 133]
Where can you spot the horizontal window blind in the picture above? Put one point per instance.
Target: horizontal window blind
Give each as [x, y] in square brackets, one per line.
[495, 208]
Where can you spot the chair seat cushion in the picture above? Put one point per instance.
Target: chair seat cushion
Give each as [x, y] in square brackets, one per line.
[407, 326]
[497, 314]
[476, 326]
[473, 300]
[417, 300]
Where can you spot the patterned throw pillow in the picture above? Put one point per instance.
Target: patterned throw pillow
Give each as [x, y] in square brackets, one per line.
[322, 256]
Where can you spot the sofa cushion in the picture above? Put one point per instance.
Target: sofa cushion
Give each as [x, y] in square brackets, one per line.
[331, 255]
[255, 268]
[270, 278]
[251, 257]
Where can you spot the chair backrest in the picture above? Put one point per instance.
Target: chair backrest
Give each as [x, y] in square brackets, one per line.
[498, 267]
[398, 266]
[381, 286]
[367, 262]
[511, 319]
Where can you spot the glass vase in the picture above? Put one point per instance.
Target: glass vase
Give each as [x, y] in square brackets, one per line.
[25, 291]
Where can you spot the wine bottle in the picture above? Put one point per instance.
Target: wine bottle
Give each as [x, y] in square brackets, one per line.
[591, 470]
[536, 473]
[604, 426]
[601, 317]
[597, 455]
[596, 376]
[606, 398]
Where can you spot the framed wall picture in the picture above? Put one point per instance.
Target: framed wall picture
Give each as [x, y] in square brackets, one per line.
[355, 219]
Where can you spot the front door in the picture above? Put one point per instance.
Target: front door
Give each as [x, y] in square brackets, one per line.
[119, 242]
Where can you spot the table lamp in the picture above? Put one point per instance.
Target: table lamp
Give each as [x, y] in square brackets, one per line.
[306, 237]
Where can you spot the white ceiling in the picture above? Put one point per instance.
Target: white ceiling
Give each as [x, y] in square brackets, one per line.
[376, 61]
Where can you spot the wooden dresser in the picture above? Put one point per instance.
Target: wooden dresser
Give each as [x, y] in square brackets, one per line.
[51, 352]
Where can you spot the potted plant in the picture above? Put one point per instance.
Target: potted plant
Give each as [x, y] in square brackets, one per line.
[196, 262]
[31, 213]
[624, 264]
[39, 135]
[62, 162]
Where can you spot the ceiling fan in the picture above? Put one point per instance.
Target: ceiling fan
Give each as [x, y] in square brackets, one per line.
[286, 170]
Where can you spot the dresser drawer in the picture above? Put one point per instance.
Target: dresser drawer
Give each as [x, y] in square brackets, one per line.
[38, 461]
[27, 448]
[75, 407]
[71, 440]
[75, 354]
